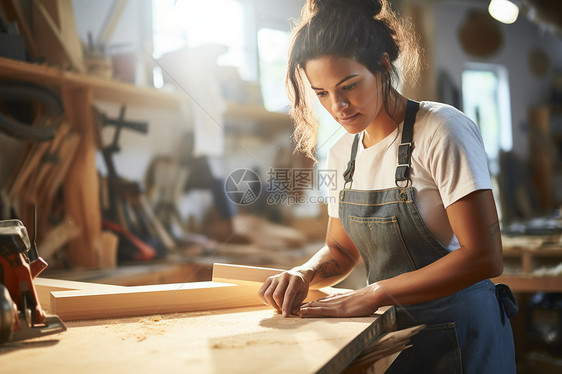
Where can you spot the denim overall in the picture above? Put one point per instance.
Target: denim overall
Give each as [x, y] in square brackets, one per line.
[466, 332]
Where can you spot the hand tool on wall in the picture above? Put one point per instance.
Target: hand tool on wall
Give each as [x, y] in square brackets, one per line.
[31, 114]
[42, 170]
[21, 315]
[115, 187]
[28, 93]
[124, 214]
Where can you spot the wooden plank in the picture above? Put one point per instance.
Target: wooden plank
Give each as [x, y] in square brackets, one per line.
[145, 300]
[69, 32]
[109, 242]
[177, 297]
[58, 236]
[141, 274]
[111, 22]
[250, 340]
[253, 277]
[241, 112]
[28, 168]
[55, 31]
[44, 287]
[241, 274]
[45, 168]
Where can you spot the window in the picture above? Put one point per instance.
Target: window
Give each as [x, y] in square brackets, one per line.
[486, 101]
[273, 47]
[190, 23]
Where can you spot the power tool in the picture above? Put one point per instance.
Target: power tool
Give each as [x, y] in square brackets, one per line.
[21, 316]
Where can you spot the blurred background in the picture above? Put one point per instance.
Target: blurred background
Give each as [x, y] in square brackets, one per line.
[144, 140]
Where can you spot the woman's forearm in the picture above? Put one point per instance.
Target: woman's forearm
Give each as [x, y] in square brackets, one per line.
[452, 273]
[327, 267]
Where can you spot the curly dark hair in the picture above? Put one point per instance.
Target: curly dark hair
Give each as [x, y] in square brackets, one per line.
[359, 29]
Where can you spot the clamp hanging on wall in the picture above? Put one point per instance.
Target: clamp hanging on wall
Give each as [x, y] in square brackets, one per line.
[22, 93]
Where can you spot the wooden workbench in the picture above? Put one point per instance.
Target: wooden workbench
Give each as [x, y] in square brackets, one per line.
[248, 340]
[526, 279]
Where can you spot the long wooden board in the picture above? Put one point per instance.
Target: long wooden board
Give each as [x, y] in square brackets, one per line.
[160, 298]
[146, 300]
[253, 277]
[44, 287]
[240, 274]
[232, 286]
[249, 340]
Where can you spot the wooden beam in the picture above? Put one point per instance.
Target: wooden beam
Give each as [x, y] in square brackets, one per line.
[44, 287]
[240, 289]
[147, 300]
[240, 274]
[111, 22]
[62, 28]
[81, 184]
[254, 276]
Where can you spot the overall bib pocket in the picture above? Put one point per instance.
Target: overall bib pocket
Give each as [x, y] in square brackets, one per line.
[381, 244]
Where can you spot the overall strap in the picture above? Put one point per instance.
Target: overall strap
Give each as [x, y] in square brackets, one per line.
[405, 148]
[348, 173]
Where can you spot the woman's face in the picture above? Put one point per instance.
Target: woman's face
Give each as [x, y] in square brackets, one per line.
[347, 89]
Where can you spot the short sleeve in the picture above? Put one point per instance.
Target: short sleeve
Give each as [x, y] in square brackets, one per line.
[457, 158]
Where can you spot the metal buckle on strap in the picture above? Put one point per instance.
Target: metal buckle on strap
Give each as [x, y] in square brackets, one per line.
[404, 153]
[402, 171]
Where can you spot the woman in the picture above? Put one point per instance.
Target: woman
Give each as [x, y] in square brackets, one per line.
[417, 203]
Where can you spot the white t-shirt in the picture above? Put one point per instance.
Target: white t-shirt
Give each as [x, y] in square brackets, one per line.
[448, 163]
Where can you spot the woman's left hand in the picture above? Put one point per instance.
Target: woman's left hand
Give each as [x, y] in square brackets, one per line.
[356, 303]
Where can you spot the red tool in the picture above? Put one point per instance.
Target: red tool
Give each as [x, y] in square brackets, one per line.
[21, 316]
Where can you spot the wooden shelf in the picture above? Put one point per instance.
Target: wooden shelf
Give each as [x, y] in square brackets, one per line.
[530, 283]
[256, 113]
[103, 89]
[121, 92]
[527, 256]
[526, 281]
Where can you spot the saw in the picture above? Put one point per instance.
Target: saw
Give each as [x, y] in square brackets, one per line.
[21, 315]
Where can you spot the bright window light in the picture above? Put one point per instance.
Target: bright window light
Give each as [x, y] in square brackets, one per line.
[273, 46]
[503, 10]
[486, 101]
[191, 23]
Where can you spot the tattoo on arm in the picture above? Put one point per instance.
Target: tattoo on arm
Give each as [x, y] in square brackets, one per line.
[329, 269]
[494, 228]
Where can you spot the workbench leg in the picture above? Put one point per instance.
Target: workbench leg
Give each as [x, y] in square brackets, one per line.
[81, 187]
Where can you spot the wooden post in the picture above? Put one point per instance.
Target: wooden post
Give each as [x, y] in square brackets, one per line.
[81, 187]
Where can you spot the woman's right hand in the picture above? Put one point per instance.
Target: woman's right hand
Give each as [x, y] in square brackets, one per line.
[286, 291]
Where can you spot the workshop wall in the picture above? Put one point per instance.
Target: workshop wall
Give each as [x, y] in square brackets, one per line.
[132, 38]
[519, 39]
[133, 35]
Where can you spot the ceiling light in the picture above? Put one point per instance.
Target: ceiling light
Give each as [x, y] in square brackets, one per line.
[503, 10]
